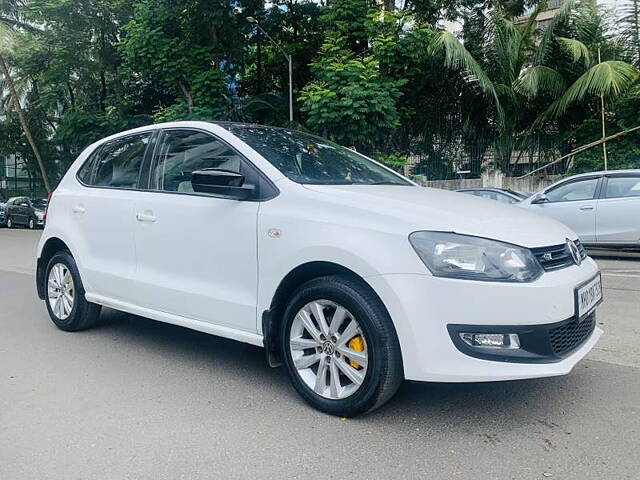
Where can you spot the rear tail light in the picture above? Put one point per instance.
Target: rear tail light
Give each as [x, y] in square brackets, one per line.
[46, 209]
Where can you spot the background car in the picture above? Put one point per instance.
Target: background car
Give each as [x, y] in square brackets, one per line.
[503, 195]
[21, 211]
[3, 216]
[603, 208]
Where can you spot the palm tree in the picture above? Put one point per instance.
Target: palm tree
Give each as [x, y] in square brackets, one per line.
[602, 79]
[631, 27]
[513, 66]
[9, 19]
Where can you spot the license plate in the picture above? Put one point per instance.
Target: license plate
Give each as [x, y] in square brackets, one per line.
[588, 296]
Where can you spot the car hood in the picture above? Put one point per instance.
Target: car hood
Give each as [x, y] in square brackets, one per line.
[422, 208]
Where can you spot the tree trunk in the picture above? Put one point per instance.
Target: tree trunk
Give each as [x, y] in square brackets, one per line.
[187, 95]
[72, 97]
[259, 65]
[23, 122]
[387, 5]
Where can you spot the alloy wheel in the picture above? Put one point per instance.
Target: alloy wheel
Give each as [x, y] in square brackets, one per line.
[328, 349]
[61, 291]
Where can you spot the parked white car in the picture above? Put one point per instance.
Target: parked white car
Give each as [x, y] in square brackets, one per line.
[351, 275]
[603, 208]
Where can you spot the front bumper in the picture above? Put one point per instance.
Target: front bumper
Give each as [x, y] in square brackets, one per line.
[424, 308]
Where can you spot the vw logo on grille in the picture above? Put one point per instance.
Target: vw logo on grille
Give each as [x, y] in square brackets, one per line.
[573, 250]
[328, 348]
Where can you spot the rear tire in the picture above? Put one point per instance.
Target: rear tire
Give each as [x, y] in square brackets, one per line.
[65, 296]
[360, 388]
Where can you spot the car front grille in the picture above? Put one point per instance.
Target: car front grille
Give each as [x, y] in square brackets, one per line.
[571, 335]
[557, 256]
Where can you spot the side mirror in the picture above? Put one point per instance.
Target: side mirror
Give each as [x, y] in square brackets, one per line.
[540, 198]
[221, 182]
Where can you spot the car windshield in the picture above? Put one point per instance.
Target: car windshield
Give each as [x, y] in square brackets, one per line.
[305, 158]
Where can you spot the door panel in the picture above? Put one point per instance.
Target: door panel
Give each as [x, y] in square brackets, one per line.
[618, 217]
[573, 204]
[197, 254]
[197, 258]
[104, 217]
[104, 220]
[20, 212]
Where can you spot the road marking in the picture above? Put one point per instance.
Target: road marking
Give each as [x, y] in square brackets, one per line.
[628, 275]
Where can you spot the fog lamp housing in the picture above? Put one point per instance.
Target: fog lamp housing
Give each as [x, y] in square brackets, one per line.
[510, 341]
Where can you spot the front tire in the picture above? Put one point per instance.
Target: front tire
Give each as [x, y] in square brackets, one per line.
[9, 222]
[340, 347]
[32, 224]
[66, 303]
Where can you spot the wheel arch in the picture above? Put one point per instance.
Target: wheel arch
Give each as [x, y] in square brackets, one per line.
[272, 318]
[52, 246]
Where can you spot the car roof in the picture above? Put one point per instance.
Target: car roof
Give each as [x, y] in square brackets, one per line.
[604, 172]
[181, 123]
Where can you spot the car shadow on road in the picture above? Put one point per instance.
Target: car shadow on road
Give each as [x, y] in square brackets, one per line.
[490, 405]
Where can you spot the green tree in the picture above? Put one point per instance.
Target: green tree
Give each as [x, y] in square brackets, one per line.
[350, 99]
[631, 28]
[264, 75]
[9, 19]
[513, 67]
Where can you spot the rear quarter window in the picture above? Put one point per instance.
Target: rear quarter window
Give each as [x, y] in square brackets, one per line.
[86, 170]
[116, 164]
[119, 162]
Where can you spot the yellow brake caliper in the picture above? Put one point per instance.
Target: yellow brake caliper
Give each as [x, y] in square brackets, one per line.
[68, 281]
[356, 344]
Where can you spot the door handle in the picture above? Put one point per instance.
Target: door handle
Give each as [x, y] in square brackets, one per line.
[145, 217]
[586, 207]
[78, 209]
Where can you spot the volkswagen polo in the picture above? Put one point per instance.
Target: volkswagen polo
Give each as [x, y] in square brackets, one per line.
[349, 274]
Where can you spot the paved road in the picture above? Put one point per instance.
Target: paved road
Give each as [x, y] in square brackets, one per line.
[136, 399]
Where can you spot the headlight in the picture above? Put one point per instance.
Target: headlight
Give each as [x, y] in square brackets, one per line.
[39, 214]
[473, 258]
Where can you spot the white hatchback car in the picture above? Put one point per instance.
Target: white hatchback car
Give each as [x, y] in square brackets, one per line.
[351, 275]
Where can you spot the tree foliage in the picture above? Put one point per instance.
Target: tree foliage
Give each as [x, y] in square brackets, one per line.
[380, 76]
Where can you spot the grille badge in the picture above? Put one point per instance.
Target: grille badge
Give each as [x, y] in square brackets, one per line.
[575, 253]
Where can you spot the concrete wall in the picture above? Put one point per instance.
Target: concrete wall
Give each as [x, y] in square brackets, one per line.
[494, 179]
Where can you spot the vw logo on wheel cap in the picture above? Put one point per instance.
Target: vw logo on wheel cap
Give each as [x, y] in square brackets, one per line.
[328, 348]
[573, 250]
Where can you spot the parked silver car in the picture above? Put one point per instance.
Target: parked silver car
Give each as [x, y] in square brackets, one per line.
[603, 208]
